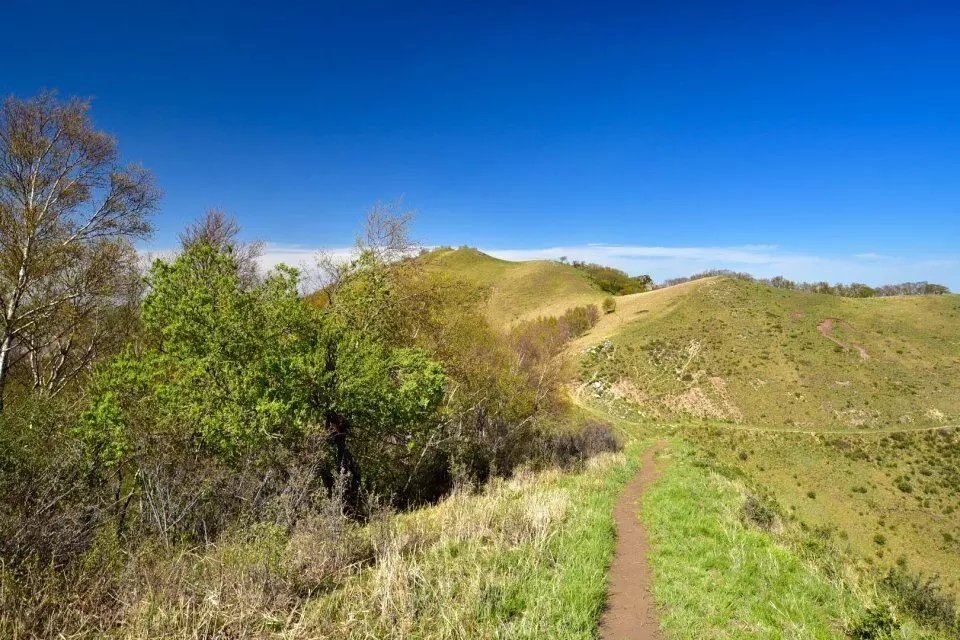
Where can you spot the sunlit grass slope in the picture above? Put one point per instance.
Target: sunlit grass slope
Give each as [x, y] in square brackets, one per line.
[518, 290]
[527, 558]
[724, 569]
[727, 349]
[891, 499]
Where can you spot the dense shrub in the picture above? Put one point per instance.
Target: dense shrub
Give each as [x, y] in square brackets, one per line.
[613, 281]
[922, 598]
[609, 305]
[577, 321]
[570, 448]
[877, 623]
[756, 511]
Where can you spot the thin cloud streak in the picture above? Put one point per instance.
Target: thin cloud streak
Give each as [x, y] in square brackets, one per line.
[662, 262]
[764, 261]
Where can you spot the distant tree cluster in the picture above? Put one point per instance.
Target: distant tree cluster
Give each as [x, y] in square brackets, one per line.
[709, 273]
[613, 281]
[851, 290]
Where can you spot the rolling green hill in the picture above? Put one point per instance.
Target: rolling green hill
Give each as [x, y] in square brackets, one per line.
[746, 353]
[840, 410]
[518, 290]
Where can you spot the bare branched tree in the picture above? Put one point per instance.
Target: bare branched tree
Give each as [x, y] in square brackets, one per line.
[68, 215]
[221, 231]
[385, 239]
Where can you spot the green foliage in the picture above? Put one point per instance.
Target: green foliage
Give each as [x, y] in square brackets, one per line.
[614, 281]
[244, 372]
[578, 320]
[609, 305]
[378, 386]
[877, 623]
[224, 366]
[923, 599]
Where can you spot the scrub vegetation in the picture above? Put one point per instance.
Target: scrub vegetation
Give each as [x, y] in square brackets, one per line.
[430, 444]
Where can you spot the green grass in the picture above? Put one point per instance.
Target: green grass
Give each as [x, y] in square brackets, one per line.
[751, 354]
[719, 576]
[489, 585]
[522, 558]
[903, 488]
[518, 290]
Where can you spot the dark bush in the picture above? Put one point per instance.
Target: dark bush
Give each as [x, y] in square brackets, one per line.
[877, 623]
[922, 598]
[756, 511]
[572, 448]
[612, 280]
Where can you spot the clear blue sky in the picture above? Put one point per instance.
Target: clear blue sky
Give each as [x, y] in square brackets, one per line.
[828, 132]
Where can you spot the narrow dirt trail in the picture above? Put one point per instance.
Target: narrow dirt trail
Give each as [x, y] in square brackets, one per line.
[630, 613]
[826, 326]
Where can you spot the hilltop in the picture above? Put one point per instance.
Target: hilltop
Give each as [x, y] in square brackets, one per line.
[517, 290]
[722, 348]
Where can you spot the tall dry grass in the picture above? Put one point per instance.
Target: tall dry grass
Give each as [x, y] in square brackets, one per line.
[470, 566]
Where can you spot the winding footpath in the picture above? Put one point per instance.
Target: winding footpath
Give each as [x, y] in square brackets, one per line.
[630, 613]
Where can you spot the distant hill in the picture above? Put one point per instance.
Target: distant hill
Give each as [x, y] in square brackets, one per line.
[727, 349]
[732, 350]
[518, 290]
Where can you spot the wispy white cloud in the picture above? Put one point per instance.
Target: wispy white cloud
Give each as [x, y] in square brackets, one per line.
[299, 256]
[663, 262]
[763, 261]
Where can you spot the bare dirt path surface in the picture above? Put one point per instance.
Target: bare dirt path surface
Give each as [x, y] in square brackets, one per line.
[630, 614]
[826, 327]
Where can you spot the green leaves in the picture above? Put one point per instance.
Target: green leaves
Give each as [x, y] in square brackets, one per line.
[236, 369]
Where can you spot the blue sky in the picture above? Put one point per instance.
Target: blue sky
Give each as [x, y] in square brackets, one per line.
[820, 140]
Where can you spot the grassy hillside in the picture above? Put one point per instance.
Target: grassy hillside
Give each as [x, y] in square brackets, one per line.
[890, 499]
[741, 352]
[848, 425]
[518, 290]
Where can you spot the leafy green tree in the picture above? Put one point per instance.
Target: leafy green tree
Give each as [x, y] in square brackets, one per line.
[239, 372]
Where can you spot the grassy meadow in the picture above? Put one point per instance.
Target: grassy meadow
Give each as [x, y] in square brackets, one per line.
[852, 445]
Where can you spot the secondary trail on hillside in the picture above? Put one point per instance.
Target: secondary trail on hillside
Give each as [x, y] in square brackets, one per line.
[630, 613]
[826, 326]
